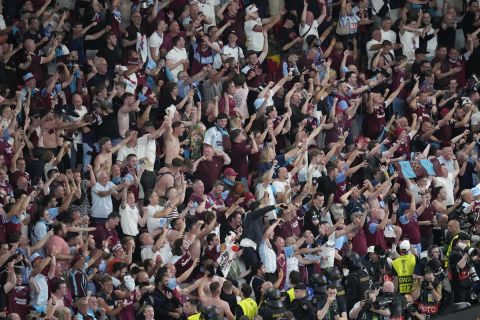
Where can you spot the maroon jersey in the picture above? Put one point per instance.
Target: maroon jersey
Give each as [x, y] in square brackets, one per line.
[410, 229]
[359, 243]
[375, 121]
[18, 301]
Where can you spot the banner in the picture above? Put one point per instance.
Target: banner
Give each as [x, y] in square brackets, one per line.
[142, 46]
[414, 169]
[229, 253]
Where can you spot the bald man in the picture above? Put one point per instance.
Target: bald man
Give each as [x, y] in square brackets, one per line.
[453, 230]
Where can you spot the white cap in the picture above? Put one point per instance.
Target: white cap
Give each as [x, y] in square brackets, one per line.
[251, 9]
[405, 245]
[371, 249]
[34, 257]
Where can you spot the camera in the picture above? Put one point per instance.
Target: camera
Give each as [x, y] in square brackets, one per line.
[382, 303]
[411, 307]
[473, 273]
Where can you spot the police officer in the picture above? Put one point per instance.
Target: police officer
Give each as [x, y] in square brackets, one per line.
[335, 278]
[319, 283]
[301, 307]
[290, 294]
[273, 307]
[357, 281]
[247, 306]
[209, 313]
[330, 309]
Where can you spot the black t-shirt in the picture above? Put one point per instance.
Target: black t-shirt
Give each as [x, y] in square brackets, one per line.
[286, 36]
[327, 186]
[256, 285]
[113, 57]
[312, 214]
[36, 37]
[231, 299]
[467, 22]
[109, 127]
[100, 79]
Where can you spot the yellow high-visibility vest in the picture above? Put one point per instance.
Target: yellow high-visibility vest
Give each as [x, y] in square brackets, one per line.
[404, 266]
[249, 307]
[291, 294]
[195, 316]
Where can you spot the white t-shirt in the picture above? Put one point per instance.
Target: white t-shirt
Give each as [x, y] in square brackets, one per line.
[389, 35]
[305, 31]
[328, 252]
[268, 257]
[448, 184]
[125, 151]
[147, 253]
[155, 42]
[410, 43]
[174, 56]
[214, 137]
[370, 54]
[101, 206]
[254, 39]
[129, 220]
[154, 224]
[41, 298]
[208, 9]
[146, 148]
[233, 52]
[3, 25]
[260, 191]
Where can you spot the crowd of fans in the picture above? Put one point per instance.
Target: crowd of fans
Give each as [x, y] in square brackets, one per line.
[240, 159]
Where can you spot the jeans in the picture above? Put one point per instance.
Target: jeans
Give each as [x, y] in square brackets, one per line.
[87, 157]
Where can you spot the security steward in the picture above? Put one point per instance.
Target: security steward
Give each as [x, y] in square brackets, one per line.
[247, 306]
[272, 308]
[319, 283]
[357, 281]
[404, 268]
[301, 307]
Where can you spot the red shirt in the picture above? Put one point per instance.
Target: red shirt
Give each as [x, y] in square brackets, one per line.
[240, 152]
[209, 171]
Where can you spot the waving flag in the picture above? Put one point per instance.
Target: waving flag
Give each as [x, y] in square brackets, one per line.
[414, 169]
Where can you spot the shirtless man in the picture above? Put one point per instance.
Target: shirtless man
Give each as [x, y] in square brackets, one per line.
[169, 177]
[59, 291]
[170, 138]
[51, 128]
[214, 299]
[123, 117]
[104, 158]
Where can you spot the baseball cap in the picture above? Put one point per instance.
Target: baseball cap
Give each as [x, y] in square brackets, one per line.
[371, 249]
[251, 9]
[466, 101]
[230, 172]
[405, 245]
[28, 76]
[34, 257]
